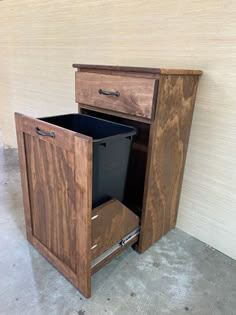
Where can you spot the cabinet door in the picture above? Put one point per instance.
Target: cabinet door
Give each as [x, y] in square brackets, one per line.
[55, 166]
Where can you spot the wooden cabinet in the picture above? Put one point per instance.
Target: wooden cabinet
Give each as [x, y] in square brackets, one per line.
[56, 169]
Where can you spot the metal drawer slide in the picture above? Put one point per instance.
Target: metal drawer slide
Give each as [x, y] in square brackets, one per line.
[121, 243]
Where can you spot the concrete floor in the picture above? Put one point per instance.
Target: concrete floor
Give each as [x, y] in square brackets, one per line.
[178, 275]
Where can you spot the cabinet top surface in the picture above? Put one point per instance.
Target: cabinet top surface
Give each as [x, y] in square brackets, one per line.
[138, 69]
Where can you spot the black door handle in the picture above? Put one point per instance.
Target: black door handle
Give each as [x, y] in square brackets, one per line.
[45, 134]
[117, 93]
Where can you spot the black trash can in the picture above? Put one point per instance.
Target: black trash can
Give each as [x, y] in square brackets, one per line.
[111, 150]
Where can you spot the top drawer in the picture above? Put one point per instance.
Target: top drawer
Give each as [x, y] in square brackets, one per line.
[134, 96]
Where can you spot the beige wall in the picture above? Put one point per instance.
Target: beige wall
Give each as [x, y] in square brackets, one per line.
[39, 40]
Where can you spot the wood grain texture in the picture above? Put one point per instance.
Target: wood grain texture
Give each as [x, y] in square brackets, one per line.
[136, 94]
[63, 268]
[138, 69]
[83, 186]
[168, 144]
[50, 171]
[147, 75]
[112, 221]
[29, 126]
[180, 72]
[56, 180]
[24, 175]
[124, 69]
[82, 107]
[39, 41]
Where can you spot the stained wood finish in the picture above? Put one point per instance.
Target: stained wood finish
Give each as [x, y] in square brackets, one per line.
[63, 268]
[24, 177]
[166, 153]
[180, 71]
[61, 133]
[82, 107]
[50, 172]
[138, 69]
[111, 222]
[83, 186]
[116, 68]
[135, 74]
[56, 201]
[166, 157]
[57, 172]
[136, 94]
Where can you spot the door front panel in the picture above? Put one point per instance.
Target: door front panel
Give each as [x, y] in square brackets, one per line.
[56, 176]
[50, 172]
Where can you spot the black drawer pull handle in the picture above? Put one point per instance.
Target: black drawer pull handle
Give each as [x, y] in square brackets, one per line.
[117, 93]
[45, 134]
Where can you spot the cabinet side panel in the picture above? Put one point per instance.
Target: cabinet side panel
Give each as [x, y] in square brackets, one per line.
[83, 181]
[168, 144]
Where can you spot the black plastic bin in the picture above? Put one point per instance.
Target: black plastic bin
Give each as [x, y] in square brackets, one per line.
[111, 150]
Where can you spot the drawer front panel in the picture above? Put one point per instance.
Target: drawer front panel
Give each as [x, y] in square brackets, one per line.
[129, 95]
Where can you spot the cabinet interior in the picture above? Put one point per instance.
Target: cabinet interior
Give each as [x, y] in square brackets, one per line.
[134, 187]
